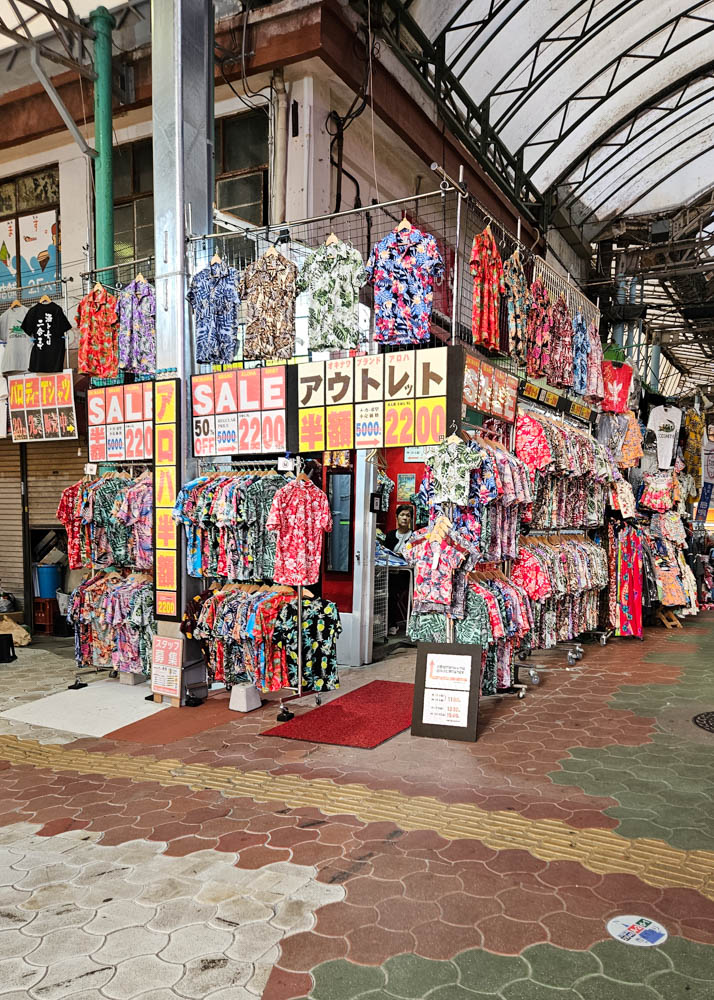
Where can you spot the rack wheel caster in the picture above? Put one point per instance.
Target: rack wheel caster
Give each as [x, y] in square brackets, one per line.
[534, 676]
[572, 659]
[318, 699]
[285, 715]
[523, 656]
[603, 640]
[521, 694]
[113, 674]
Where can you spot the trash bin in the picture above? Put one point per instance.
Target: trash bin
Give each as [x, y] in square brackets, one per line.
[49, 581]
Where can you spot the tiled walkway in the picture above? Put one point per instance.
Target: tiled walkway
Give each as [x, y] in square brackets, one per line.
[229, 865]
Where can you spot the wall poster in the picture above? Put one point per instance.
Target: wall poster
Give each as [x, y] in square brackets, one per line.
[41, 407]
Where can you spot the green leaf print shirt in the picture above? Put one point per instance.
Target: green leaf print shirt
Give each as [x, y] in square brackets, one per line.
[334, 274]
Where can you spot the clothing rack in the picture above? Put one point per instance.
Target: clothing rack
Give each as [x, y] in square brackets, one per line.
[557, 285]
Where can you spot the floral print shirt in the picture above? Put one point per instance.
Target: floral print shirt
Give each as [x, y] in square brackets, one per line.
[487, 271]
[403, 268]
[258, 502]
[694, 426]
[136, 509]
[136, 339]
[321, 627]
[213, 296]
[300, 513]
[451, 466]
[333, 275]
[560, 363]
[540, 322]
[434, 564]
[519, 301]
[69, 515]
[96, 319]
[595, 388]
[268, 289]
[581, 351]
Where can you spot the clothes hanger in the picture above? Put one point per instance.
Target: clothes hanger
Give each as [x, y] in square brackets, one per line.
[271, 251]
[405, 225]
[140, 278]
[15, 304]
[45, 298]
[331, 240]
[216, 259]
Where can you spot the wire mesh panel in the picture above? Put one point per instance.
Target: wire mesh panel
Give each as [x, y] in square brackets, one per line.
[380, 623]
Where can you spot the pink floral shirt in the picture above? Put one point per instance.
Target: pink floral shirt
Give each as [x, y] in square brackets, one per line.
[434, 565]
[300, 513]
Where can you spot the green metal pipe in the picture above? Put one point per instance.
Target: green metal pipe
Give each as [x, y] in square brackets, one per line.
[102, 23]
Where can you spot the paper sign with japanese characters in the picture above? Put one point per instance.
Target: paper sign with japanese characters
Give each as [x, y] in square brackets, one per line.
[166, 663]
[119, 423]
[239, 412]
[42, 407]
[167, 453]
[374, 401]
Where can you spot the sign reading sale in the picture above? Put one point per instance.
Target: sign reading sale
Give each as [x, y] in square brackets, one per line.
[239, 412]
[119, 420]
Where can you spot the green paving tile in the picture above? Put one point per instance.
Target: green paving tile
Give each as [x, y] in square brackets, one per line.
[341, 980]
[559, 967]
[601, 988]
[481, 970]
[628, 963]
[458, 993]
[691, 958]
[412, 977]
[673, 986]
[524, 989]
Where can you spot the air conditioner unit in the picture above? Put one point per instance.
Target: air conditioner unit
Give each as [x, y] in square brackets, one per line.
[660, 230]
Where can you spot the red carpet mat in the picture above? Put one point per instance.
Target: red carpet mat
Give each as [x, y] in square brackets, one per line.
[174, 724]
[363, 718]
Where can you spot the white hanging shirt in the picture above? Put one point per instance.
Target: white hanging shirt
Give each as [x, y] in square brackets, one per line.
[665, 421]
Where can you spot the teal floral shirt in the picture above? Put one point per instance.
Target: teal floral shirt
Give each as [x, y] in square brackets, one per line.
[333, 274]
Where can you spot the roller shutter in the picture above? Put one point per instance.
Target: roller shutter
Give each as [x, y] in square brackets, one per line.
[11, 571]
[50, 469]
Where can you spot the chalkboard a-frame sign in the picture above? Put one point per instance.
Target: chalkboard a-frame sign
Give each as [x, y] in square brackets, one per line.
[447, 686]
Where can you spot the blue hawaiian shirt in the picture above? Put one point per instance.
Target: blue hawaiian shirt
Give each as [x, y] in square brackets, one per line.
[403, 267]
[581, 350]
[214, 298]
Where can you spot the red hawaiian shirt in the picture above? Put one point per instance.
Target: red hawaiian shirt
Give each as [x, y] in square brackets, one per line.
[300, 513]
[97, 322]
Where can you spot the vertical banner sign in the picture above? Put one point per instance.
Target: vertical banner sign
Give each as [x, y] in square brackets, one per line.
[42, 407]
[119, 423]
[703, 506]
[167, 452]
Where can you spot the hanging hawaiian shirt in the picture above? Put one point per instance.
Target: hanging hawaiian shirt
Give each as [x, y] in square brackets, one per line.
[616, 379]
[487, 271]
[136, 339]
[595, 388]
[69, 514]
[560, 362]
[214, 298]
[403, 268]
[96, 319]
[300, 513]
[540, 322]
[519, 301]
[333, 275]
[267, 289]
[581, 350]
[694, 426]
[256, 509]
[136, 510]
[321, 627]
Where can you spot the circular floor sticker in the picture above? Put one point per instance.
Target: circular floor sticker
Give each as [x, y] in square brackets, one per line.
[637, 930]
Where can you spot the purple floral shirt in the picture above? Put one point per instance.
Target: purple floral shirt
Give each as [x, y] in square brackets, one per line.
[136, 309]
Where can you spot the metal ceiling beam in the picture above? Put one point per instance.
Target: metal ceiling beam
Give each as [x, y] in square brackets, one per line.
[610, 90]
[426, 62]
[75, 26]
[48, 53]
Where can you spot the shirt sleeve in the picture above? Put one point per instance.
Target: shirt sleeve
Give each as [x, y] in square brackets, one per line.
[63, 323]
[325, 517]
[274, 518]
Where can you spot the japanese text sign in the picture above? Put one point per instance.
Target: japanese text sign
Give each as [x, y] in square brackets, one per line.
[119, 423]
[446, 691]
[372, 401]
[166, 664]
[488, 389]
[167, 453]
[239, 412]
[42, 407]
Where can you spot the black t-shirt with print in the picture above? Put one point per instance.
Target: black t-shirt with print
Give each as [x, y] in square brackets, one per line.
[47, 324]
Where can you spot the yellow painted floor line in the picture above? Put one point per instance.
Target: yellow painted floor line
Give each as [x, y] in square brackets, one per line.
[599, 850]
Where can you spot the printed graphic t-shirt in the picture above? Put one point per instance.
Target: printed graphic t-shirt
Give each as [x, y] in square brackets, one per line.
[665, 421]
[46, 324]
[18, 346]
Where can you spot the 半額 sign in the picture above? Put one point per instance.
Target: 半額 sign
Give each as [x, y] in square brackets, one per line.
[119, 423]
[239, 412]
